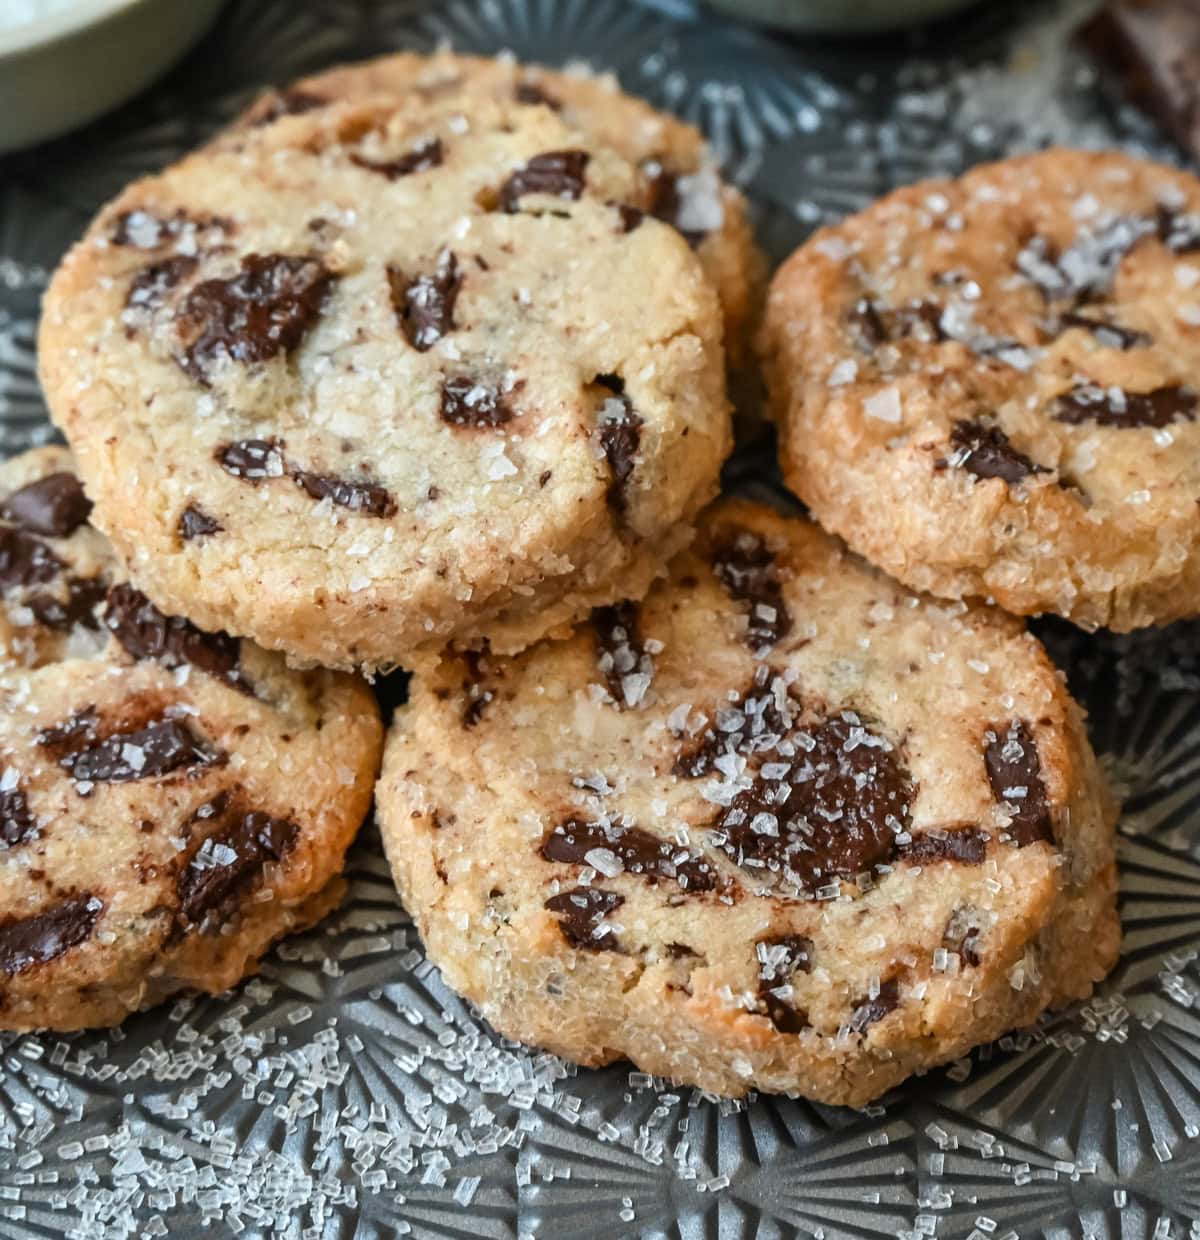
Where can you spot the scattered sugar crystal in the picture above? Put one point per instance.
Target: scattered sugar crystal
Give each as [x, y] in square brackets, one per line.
[845, 371]
[884, 405]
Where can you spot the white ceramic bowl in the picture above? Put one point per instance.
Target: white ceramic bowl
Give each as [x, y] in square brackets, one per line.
[87, 56]
[839, 16]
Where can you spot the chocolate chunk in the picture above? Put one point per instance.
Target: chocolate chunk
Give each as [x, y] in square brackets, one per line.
[580, 912]
[967, 844]
[987, 452]
[55, 506]
[370, 498]
[420, 159]
[71, 735]
[666, 203]
[746, 567]
[630, 217]
[1087, 402]
[25, 560]
[17, 823]
[637, 851]
[1179, 233]
[620, 433]
[1153, 47]
[145, 633]
[1084, 271]
[149, 288]
[264, 310]
[756, 722]
[230, 860]
[29, 941]
[468, 402]
[475, 688]
[866, 325]
[147, 753]
[962, 935]
[144, 230]
[560, 173]
[1014, 771]
[868, 1012]
[1109, 335]
[84, 596]
[292, 102]
[194, 522]
[620, 654]
[425, 304]
[530, 92]
[831, 810]
[920, 319]
[255, 460]
[251, 459]
[779, 957]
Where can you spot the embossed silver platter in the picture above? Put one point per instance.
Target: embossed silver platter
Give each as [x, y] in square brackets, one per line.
[346, 1092]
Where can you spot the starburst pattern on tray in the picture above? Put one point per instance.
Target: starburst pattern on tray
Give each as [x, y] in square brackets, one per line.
[346, 1092]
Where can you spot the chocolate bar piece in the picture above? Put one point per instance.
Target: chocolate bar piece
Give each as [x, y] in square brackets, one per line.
[1153, 47]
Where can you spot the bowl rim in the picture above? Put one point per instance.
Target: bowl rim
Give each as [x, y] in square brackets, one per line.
[59, 25]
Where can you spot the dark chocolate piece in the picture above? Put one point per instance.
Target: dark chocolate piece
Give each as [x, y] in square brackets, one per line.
[420, 159]
[986, 451]
[468, 402]
[230, 860]
[966, 844]
[747, 568]
[194, 522]
[146, 753]
[779, 957]
[424, 305]
[29, 941]
[54, 506]
[1153, 48]
[580, 912]
[264, 310]
[1014, 772]
[17, 823]
[638, 852]
[1087, 402]
[560, 173]
[869, 1011]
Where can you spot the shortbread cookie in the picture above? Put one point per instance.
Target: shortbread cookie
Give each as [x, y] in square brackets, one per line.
[368, 380]
[989, 387]
[687, 190]
[782, 826]
[171, 801]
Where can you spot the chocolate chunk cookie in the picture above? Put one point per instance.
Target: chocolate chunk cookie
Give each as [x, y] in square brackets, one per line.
[381, 376]
[861, 832]
[172, 801]
[990, 387]
[686, 189]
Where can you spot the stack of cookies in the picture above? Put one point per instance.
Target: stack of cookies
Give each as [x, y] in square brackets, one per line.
[424, 364]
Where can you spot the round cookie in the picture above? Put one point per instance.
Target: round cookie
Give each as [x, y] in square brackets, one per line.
[375, 378]
[989, 387]
[171, 801]
[862, 832]
[687, 191]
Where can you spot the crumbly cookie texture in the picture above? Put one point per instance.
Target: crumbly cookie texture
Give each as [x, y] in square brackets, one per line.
[172, 801]
[366, 380]
[989, 387]
[686, 188]
[784, 825]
